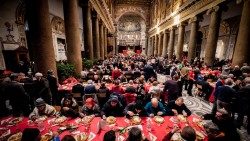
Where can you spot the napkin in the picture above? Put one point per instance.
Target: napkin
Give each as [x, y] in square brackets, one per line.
[120, 138]
[91, 136]
[152, 137]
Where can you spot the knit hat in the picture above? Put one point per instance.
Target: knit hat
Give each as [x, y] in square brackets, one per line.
[39, 102]
[90, 101]
[114, 99]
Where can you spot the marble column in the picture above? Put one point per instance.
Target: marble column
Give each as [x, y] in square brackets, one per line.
[96, 34]
[73, 40]
[102, 40]
[153, 45]
[105, 42]
[159, 45]
[192, 38]
[165, 42]
[242, 48]
[156, 45]
[87, 28]
[40, 33]
[171, 43]
[180, 41]
[212, 38]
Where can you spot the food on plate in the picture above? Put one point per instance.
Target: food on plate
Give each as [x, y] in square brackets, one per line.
[136, 120]
[4, 132]
[159, 119]
[60, 120]
[81, 137]
[15, 137]
[87, 119]
[199, 136]
[176, 137]
[40, 119]
[182, 118]
[174, 119]
[196, 120]
[46, 137]
[15, 121]
[111, 120]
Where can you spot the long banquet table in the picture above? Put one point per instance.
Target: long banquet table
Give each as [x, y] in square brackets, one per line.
[157, 130]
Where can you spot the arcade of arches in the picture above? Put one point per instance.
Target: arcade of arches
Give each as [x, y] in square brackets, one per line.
[47, 31]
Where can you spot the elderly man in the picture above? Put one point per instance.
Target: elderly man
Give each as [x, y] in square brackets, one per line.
[42, 109]
[41, 88]
[177, 107]
[154, 108]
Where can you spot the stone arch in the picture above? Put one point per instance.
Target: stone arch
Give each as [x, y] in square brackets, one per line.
[136, 10]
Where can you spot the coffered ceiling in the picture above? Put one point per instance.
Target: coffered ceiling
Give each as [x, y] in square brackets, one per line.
[134, 2]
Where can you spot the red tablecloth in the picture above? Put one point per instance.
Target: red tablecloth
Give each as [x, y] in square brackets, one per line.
[158, 130]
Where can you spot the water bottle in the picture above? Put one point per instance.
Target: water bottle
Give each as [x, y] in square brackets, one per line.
[149, 124]
[56, 138]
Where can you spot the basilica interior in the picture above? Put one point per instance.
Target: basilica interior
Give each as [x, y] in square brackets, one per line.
[186, 55]
[48, 31]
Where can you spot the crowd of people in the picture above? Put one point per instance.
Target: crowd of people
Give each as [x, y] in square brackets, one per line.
[130, 84]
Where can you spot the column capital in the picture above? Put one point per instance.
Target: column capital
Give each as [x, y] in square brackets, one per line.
[240, 1]
[195, 19]
[213, 9]
[166, 31]
[172, 28]
[182, 24]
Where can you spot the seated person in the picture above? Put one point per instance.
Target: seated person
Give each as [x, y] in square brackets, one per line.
[123, 79]
[154, 108]
[31, 134]
[112, 107]
[69, 106]
[90, 88]
[130, 88]
[90, 108]
[177, 107]
[225, 123]
[187, 134]
[68, 138]
[135, 134]
[104, 91]
[117, 88]
[109, 136]
[78, 88]
[42, 109]
[135, 108]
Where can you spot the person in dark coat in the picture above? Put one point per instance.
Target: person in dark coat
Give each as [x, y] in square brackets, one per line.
[244, 104]
[53, 85]
[90, 88]
[69, 106]
[112, 107]
[177, 107]
[135, 108]
[41, 89]
[224, 95]
[148, 72]
[172, 88]
[225, 124]
[19, 100]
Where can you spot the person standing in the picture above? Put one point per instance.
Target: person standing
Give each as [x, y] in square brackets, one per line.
[53, 85]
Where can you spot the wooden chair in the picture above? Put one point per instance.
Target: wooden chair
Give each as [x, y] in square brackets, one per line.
[78, 98]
